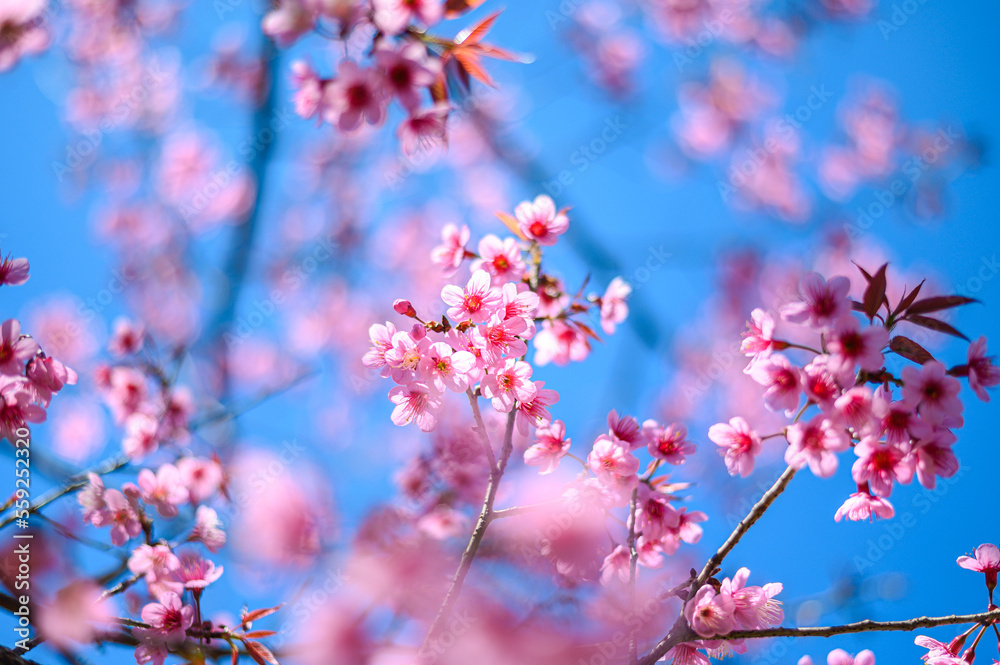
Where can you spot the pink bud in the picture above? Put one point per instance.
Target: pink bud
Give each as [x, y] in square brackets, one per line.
[405, 308]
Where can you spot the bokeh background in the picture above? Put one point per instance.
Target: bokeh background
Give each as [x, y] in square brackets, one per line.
[607, 118]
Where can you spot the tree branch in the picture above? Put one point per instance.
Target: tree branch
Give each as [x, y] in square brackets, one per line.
[865, 626]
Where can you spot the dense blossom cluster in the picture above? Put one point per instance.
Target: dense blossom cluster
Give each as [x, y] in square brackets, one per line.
[894, 436]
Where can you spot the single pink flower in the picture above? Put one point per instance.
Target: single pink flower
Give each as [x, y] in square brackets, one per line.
[393, 16]
[308, 97]
[687, 530]
[614, 309]
[854, 408]
[878, 464]
[406, 71]
[446, 368]
[551, 444]
[783, 387]
[820, 383]
[508, 382]
[202, 477]
[755, 606]
[841, 657]
[983, 373]
[127, 338]
[381, 342]
[164, 489]
[534, 412]
[739, 445]
[123, 517]
[353, 97]
[15, 350]
[16, 406]
[625, 428]
[816, 443]
[934, 392]
[609, 457]
[500, 258]
[169, 618]
[987, 561]
[415, 402]
[13, 271]
[668, 443]
[195, 572]
[450, 253]
[896, 420]
[710, 613]
[758, 340]
[476, 302]
[654, 516]
[560, 343]
[142, 436]
[208, 529]
[851, 347]
[616, 565]
[822, 302]
[424, 129]
[934, 456]
[501, 337]
[538, 220]
[863, 506]
[406, 354]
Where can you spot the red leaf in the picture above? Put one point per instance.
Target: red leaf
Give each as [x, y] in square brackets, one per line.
[875, 293]
[586, 330]
[511, 223]
[938, 303]
[909, 349]
[864, 272]
[236, 655]
[261, 653]
[935, 325]
[907, 300]
[258, 634]
[455, 8]
[469, 61]
[250, 617]
[475, 34]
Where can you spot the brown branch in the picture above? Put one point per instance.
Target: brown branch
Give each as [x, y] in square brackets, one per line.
[865, 626]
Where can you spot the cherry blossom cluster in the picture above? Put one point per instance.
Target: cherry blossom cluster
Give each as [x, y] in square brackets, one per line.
[150, 408]
[407, 64]
[481, 342]
[986, 560]
[717, 609]
[22, 31]
[894, 435]
[28, 377]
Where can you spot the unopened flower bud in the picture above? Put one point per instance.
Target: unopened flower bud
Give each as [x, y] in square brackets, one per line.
[404, 307]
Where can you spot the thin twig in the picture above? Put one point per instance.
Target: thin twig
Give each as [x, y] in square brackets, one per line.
[633, 558]
[865, 626]
[481, 428]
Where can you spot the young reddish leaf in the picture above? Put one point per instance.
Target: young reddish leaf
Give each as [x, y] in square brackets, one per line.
[250, 617]
[863, 272]
[439, 89]
[469, 62]
[856, 306]
[236, 654]
[261, 653]
[258, 634]
[907, 300]
[475, 34]
[875, 293]
[935, 325]
[938, 303]
[909, 349]
[455, 8]
[586, 330]
[959, 370]
[511, 223]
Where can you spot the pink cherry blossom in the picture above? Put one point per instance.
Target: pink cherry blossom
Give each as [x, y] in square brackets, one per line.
[142, 436]
[538, 220]
[534, 412]
[208, 529]
[551, 444]
[123, 517]
[48, 376]
[406, 354]
[393, 16]
[614, 309]
[477, 301]
[686, 654]
[934, 456]
[820, 383]
[852, 347]
[987, 561]
[519, 301]
[560, 343]
[195, 572]
[23, 30]
[451, 252]
[616, 565]
[16, 407]
[157, 564]
[15, 351]
[934, 392]
[13, 272]
[783, 388]
[405, 72]
[381, 342]
[508, 382]
[983, 373]
[287, 22]
[308, 97]
[841, 657]
[353, 97]
[668, 443]
[710, 613]
[687, 530]
[415, 402]
[202, 477]
[446, 368]
[816, 443]
[164, 489]
[878, 464]
[654, 516]
[500, 258]
[169, 618]
[854, 408]
[424, 129]
[609, 457]
[127, 337]
[896, 420]
[863, 506]
[739, 445]
[822, 303]
[755, 606]
[501, 337]
[758, 340]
